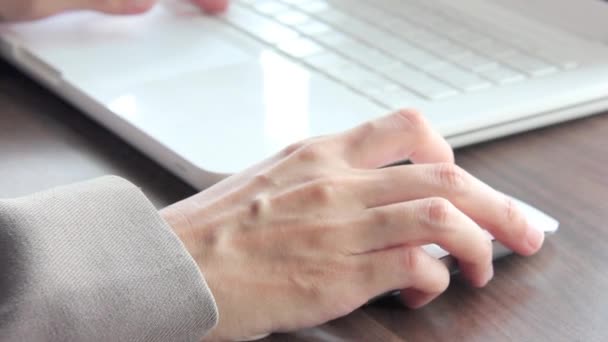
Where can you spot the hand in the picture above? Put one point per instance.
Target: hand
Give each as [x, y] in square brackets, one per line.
[11, 10]
[314, 232]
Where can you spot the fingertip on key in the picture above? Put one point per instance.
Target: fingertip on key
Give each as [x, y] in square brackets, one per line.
[213, 6]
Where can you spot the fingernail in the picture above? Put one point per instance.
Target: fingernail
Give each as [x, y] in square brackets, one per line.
[489, 274]
[213, 6]
[138, 5]
[534, 238]
[414, 299]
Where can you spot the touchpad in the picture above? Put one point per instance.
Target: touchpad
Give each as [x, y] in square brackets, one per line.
[173, 38]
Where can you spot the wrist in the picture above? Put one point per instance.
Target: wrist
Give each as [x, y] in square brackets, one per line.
[181, 226]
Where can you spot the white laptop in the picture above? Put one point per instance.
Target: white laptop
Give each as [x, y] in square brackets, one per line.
[208, 96]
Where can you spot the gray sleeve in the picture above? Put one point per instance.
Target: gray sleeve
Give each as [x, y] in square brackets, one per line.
[95, 262]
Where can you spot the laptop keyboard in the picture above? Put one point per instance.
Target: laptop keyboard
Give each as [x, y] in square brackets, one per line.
[394, 51]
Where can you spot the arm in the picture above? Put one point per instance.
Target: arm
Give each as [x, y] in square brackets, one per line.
[96, 260]
[299, 239]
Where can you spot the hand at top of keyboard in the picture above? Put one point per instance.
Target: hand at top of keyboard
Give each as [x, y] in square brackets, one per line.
[36, 9]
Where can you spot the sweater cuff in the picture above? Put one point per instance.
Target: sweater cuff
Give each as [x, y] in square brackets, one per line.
[95, 261]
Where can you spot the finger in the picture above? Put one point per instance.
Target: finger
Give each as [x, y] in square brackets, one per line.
[212, 6]
[399, 136]
[403, 268]
[116, 6]
[421, 222]
[28, 10]
[489, 208]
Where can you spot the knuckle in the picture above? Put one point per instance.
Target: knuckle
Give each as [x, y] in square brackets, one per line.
[451, 177]
[259, 207]
[360, 136]
[263, 180]
[324, 191]
[312, 152]
[292, 148]
[412, 259]
[436, 277]
[440, 283]
[366, 129]
[483, 252]
[437, 212]
[364, 270]
[510, 211]
[409, 119]
[380, 218]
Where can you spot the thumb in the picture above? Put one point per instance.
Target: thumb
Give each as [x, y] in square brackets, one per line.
[212, 6]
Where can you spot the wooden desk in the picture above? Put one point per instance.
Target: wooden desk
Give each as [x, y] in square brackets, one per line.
[561, 294]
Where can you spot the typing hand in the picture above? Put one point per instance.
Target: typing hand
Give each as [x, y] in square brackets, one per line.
[314, 232]
[11, 10]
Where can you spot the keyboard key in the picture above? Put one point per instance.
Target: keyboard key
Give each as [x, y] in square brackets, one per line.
[326, 61]
[378, 93]
[365, 12]
[474, 62]
[332, 16]
[300, 47]
[559, 60]
[466, 36]
[259, 26]
[387, 22]
[422, 60]
[556, 54]
[502, 75]
[356, 77]
[432, 65]
[531, 66]
[460, 79]
[269, 7]
[417, 15]
[385, 86]
[434, 90]
[346, 24]
[313, 6]
[313, 28]
[347, 71]
[448, 27]
[398, 99]
[353, 49]
[332, 38]
[376, 60]
[405, 29]
[420, 83]
[364, 32]
[492, 49]
[420, 37]
[292, 18]
[558, 57]
[447, 50]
